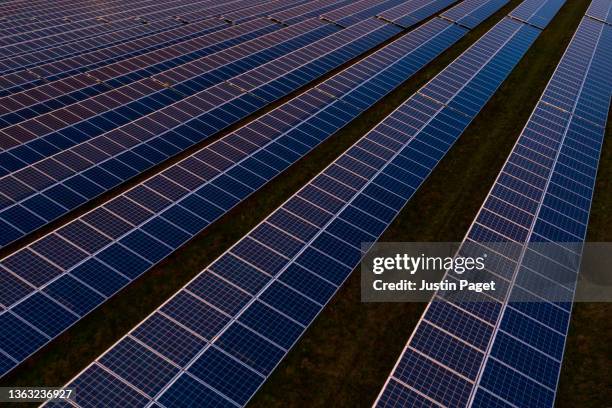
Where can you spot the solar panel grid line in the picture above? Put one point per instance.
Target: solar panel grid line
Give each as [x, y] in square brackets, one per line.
[31, 102]
[58, 14]
[381, 95]
[37, 62]
[558, 93]
[438, 363]
[397, 364]
[250, 81]
[310, 9]
[237, 17]
[600, 10]
[251, 301]
[407, 13]
[146, 139]
[38, 10]
[119, 74]
[48, 74]
[51, 26]
[169, 22]
[470, 13]
[337, 212]
[120, 10]
[431, 89]
[287, 36]
[11, 45]
[510, 307]
[25, 9]
[294, 257]
[92, 33]
[531, 232]
[537, 12]
[17, 58]
[116, 74]
[350, 13]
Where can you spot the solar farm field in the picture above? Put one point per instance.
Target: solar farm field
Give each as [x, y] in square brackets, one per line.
[186, 188]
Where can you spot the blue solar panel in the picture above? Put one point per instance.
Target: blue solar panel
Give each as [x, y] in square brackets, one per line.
[537, 12]
[109, 31]
[357, 11]
[470, 13]
[600, 10]
[134, 41]
[127, 83]
[541, 197]
[110, 68]
[282, 306]
[308, 10]
[112, 265]
[411, 12]
[207, 112]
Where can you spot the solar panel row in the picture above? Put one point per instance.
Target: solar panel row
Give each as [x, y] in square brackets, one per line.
[111, 47]
[222, 335]
[193, 41]
[537, 12]
[135, 41]
[80, 267]
[58, 34]
[32, 10]
[308, 10]
[240, 16]
[357, 11]
[533, 223]
[36, 14]
[250, 43]
[407, 13]
[118, 155]
[22, 50]
[600, 10]
[470, 13]
[564, 149]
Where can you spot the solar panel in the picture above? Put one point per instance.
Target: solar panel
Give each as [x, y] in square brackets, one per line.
[470, 13]
[17, 58]
[57, 34]
[600, 10]
[118, 155]
[240, 16]
[348, 15]
[487, 350]
[214, 69]
[38, 15]
[169, 208]
[308, 10]
[106, 70]
[131, 42]
[410, 12]
[265, 290]
[537, 12]
[149, 34]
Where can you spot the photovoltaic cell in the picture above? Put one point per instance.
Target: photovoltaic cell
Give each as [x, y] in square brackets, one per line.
[274, 313]
[470, 13]
[410, 12]
[600, 10]
[143, 226]
[544, 190]
[537, 12]
[209, 111]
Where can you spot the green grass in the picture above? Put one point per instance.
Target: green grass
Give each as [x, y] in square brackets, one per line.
[345, 356]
